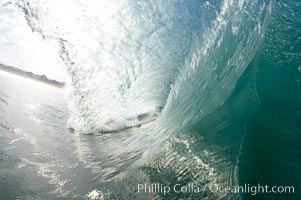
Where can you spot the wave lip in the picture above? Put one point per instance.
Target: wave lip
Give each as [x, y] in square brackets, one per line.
[184, 56]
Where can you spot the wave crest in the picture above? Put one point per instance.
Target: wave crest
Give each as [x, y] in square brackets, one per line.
[129, 57]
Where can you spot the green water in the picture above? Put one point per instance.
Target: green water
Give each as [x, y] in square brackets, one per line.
[218, 84]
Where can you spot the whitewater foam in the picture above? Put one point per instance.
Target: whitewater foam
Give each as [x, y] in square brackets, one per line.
[127, 58]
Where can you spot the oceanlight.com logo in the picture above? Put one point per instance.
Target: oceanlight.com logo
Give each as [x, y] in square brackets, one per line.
[214, 188]
[251, 189]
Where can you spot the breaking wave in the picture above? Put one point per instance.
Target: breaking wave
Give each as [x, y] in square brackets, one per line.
[217, 81]
[176, 61]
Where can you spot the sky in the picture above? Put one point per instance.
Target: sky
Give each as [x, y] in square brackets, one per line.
[24, 49]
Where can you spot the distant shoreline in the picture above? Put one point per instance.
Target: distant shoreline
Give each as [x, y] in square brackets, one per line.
[30, 75]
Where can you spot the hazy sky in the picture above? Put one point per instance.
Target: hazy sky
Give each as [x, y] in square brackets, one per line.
[22, 48]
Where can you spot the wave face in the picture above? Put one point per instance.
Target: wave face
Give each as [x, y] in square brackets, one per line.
[177, 59]
[219, 81]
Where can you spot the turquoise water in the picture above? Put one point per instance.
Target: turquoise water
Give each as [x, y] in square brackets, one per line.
[272, 144]
[160, 92]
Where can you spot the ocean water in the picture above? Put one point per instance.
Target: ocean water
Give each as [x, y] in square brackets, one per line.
[160, 92]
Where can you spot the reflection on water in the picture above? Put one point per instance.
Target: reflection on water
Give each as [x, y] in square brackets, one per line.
[41, 159]
[49, 162]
